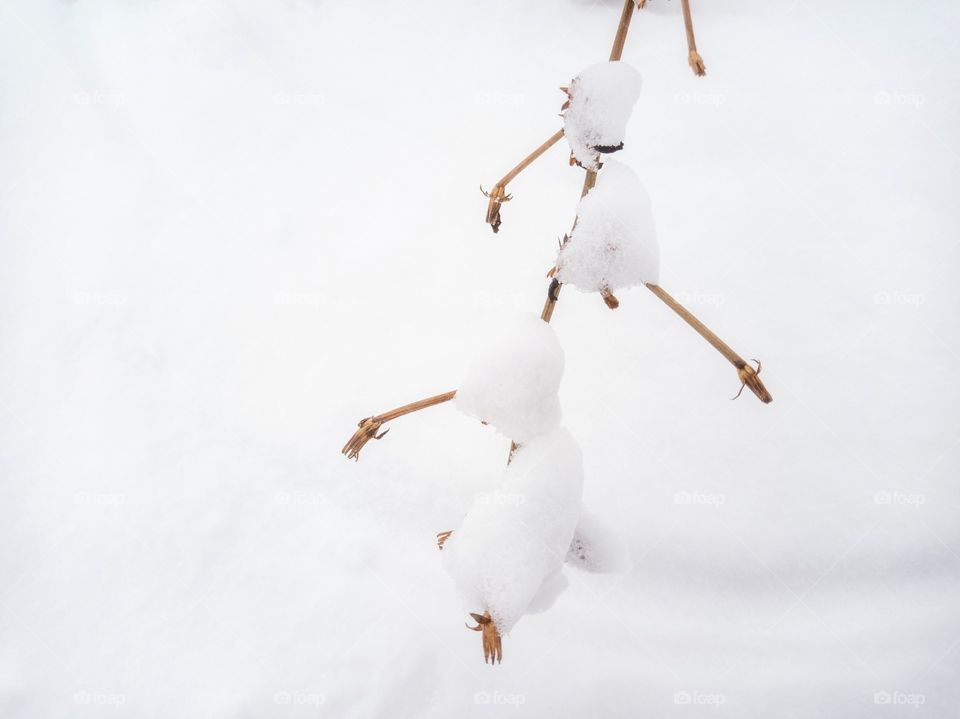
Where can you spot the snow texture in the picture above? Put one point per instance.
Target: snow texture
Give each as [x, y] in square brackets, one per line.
[614, 243]
[601, 102]
[513, 379]
[597, 548]
[226, 236]
[506, 556]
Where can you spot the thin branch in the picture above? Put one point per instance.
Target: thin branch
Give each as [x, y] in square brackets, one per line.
[369, 428]
[749, 376]
[498, 193]
[693, 57]
[620, 39]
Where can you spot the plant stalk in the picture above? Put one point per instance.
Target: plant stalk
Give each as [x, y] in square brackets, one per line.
[498, 193]
[748, 376]
[590, 180]
[369, 427]
[693, 57]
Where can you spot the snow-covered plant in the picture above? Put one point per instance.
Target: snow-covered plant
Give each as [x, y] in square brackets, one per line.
[601, 99]
[614, 243]
[513, 379]
[508, 554]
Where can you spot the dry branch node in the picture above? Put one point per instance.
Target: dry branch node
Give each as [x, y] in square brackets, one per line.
[553, 290]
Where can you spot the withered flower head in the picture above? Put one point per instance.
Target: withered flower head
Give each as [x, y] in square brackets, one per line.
[750, 377]
[497, 197]
[609, 298]
[492, 648]
[367, 430]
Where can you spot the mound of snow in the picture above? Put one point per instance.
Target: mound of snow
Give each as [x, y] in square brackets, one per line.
[601, 100]
[614, 242]
[597, 548]
[513, 379]
[507, 555]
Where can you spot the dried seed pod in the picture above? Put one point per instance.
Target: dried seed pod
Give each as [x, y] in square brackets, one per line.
[497, 197]
[750, 377]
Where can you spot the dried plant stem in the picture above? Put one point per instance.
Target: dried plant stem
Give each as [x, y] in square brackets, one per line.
[529, 159]
[693, 57]
[590, 180]
[369, 427]
[498, 193]
[748, 376]
[620, 39]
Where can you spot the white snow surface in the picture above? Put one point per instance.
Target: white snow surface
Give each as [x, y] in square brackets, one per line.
[227, 234]
[513, 541]
[614, 243]
[513, 379]
[601, 102]
[596, 547]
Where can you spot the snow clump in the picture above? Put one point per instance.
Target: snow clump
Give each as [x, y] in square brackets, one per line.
[513, 379]
[614, 242]
[507, 555]
[601, 101]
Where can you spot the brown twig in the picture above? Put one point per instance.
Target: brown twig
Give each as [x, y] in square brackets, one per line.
[442, 537]
[498, 193]
[693, 57]
[369, 427]
[749, 377]
[620, 39]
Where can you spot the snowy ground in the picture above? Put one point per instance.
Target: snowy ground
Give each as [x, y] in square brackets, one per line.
[230, 230]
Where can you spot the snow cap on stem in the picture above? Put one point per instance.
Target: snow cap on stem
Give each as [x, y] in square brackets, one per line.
[614, 242]
[513, 379]
[505, 556]
[601, 99]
